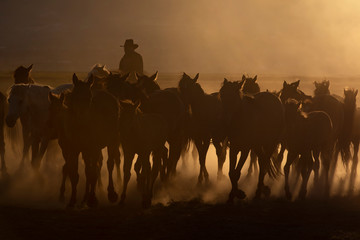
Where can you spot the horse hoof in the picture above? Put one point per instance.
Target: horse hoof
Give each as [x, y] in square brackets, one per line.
[112, 196]
[240, 194]
[266, 191]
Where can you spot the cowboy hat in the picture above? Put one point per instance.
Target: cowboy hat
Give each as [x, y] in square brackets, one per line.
[130, 43]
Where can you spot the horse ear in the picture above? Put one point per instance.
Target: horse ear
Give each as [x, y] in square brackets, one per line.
[196, 78]
[30, 68]
[75, 79]
[285, 84]
[255, 78]
[355, 93]
[110, 74]
[137, 75]
[316, 84]
[90, 80]
[296, 84]
[154, 77]
[125, 76]
[225, 81]
[243, 78]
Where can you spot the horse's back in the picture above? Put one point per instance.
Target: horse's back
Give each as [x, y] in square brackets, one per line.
[62, 88]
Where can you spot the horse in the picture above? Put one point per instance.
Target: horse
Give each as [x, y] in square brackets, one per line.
[167, 103]
[78, 134]
[306, 135]
[23, 75]
[291, 90]
[334, 107]
[252, 123]
[142, 134]
[205, 122]
[250, 86]
[30, 103]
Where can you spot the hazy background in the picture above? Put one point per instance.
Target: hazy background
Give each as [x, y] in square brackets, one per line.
[305, 37]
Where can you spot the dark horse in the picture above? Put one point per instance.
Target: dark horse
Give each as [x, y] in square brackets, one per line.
[165, 102]
[87, 123]
[142, 134]
[252, 123]
[306, 135]
[22, 75]
[205, 122]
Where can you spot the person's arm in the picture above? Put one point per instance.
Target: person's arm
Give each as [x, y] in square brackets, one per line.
[140, 65]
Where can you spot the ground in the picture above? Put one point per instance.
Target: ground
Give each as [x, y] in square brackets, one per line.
[337, 218]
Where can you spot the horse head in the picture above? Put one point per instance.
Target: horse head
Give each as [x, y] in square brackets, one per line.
[250, 86]
[22, 75]
[290, 90]
[81, 95]
[147, 84]
[230, 96]
[291, 108]
[189, 88]
[322, 88]
[18, 103]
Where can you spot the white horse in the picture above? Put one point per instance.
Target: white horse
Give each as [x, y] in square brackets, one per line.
[30, 103]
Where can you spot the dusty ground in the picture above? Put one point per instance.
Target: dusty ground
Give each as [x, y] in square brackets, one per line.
[270, 219]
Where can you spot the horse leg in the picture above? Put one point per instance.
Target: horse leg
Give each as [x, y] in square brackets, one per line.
[146, 175]
[202, 147]
[117, 164]
[316, 168]
[307, 166]
[280, 156]
[165, 162]
[128, 159]
[91, 158]
[174, 155]
[100, 159]
[290, 159]
[155, 169]
[221, 155]
[36, 161]
[353, 172]
[63, 182]
[137, 168]
[327, 156]
[72, 168]
[112, 154]
[234, 172]
[253, 164]
[264, 167]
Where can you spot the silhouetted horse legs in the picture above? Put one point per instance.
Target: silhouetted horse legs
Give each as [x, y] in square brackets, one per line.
[264, 154]
[327, 157]
[91, 158]
[27, 143]
[307, 166]
[137, 168]
[353, 172]
[157, 156]
[146, 178]
[221, 147]
[164, 163]
[291, 157]
[316, 168]
[38, 154]
[70, 169]
[113, 153]
[174, 155]
[128, 159]
[235, 171]
[202, 146]
[253, 164]
[2, 154]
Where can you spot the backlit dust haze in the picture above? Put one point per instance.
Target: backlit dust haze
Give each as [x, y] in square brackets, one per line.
[255, 36]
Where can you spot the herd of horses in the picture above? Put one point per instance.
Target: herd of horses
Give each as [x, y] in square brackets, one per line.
[157, 125]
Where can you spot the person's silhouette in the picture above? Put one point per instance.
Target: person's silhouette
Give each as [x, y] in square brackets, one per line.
[132, 61]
